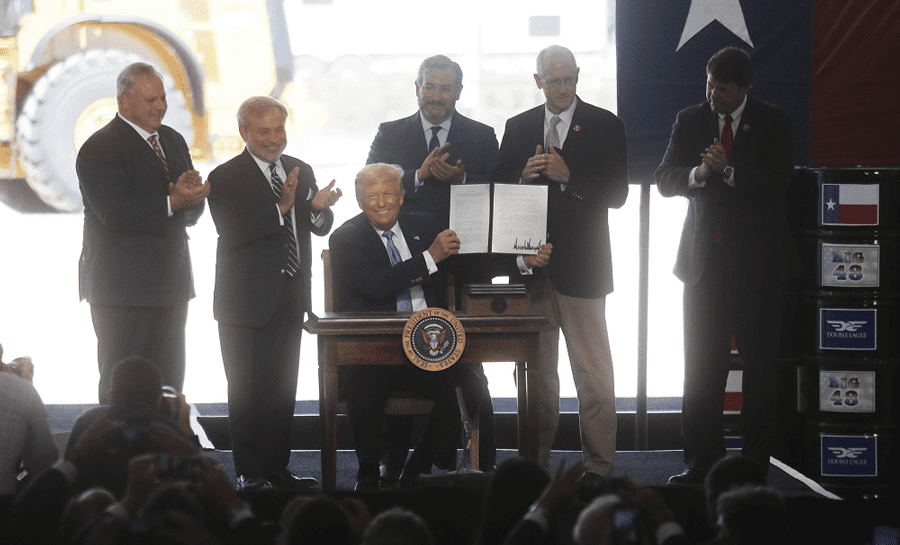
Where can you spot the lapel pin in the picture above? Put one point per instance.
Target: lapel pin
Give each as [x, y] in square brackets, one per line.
[745, 127]
[576, 128]
[416, 237]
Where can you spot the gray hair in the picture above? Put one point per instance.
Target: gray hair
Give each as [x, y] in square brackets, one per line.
[258, 106]
[127, 77]
[553, 51]
[373, 173]
[439, 62]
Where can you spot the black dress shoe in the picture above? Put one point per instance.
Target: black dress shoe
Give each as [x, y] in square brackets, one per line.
[285, 479]
[688, 477]
[251, 483]
[366, 483]
[389, 476]
[415, 466]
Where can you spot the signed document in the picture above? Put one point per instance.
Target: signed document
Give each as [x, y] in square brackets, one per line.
[499, 218]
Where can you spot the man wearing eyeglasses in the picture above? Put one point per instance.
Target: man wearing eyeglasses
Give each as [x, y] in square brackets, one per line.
[579, 151]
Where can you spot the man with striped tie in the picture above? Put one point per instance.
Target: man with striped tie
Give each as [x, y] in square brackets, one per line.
[140, 191]
[265, 205]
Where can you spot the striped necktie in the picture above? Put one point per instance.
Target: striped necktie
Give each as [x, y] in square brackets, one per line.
[293, 264]
[155, 143]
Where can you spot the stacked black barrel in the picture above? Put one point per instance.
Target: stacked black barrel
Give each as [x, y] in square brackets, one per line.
[848, 323]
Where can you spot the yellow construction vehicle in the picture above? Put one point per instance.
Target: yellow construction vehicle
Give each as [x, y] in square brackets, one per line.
[60, 58]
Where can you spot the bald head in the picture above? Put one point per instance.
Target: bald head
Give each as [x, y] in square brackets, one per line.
[557, 77]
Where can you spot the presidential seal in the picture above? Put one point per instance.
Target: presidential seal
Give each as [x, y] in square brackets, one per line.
[433, 339]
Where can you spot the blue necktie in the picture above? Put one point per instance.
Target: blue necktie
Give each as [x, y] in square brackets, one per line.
[434, 142]
[404, 299]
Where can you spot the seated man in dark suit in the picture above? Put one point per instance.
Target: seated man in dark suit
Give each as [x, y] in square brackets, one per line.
[368, 278]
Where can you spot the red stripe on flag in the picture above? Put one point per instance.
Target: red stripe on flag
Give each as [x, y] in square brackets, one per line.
[734, 401]
[858, 214]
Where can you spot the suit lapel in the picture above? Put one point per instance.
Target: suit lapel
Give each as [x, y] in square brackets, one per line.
[742, 136]
[411, 235]
[257, 179]
[142, 147]
[375, 242]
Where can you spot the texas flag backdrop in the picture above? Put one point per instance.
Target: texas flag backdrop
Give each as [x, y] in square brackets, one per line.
[829, 63]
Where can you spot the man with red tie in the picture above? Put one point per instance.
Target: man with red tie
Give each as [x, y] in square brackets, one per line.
[731, 158]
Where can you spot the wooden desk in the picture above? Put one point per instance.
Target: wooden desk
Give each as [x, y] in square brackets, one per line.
[374, 339]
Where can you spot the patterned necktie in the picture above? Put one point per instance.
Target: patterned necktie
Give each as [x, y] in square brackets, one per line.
[158, 150]
[293, 264]
[404, 299]
[552, 138]
[727, 135]
[434, 142]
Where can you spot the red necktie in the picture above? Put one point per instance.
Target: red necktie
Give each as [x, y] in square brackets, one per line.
[727, 135]
[727, 138]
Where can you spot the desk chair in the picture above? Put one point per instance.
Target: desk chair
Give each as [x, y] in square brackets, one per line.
[400, 402]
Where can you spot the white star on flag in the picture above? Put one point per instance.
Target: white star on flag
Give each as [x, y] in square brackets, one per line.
[704, 12]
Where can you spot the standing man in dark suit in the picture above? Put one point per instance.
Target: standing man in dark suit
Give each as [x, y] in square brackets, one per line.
[436, 146]
[265, 205]
[140, 191]
[579, 151]
[731, 158]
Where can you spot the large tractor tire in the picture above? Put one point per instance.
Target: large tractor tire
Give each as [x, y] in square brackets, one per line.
[69, 103]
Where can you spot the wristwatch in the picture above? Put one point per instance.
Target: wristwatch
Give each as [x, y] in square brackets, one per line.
[728, 172]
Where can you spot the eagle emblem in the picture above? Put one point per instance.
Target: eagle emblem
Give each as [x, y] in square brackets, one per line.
[433, 339]
[433, 335]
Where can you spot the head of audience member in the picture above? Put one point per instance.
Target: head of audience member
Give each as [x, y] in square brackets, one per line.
[513, 487]
[22, 366]
[261, 122]
[133, 426]
[317, 521]
[730, 472]
[135, 382]
[438, 87]
[557, 77]
[398, 526]
[142, 96]
[749, 515]
[729, 77]
[627, 513]
[379, 193]
[83, 513]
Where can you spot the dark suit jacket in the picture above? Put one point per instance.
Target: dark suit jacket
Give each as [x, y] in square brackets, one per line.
[402, 142]
[577, 217]
[750, 215]
[133, 253]
[252, 252]
[363, 277]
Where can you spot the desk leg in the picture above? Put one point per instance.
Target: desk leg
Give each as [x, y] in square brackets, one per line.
[531, 385]
[522, 418]
[328, 415]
